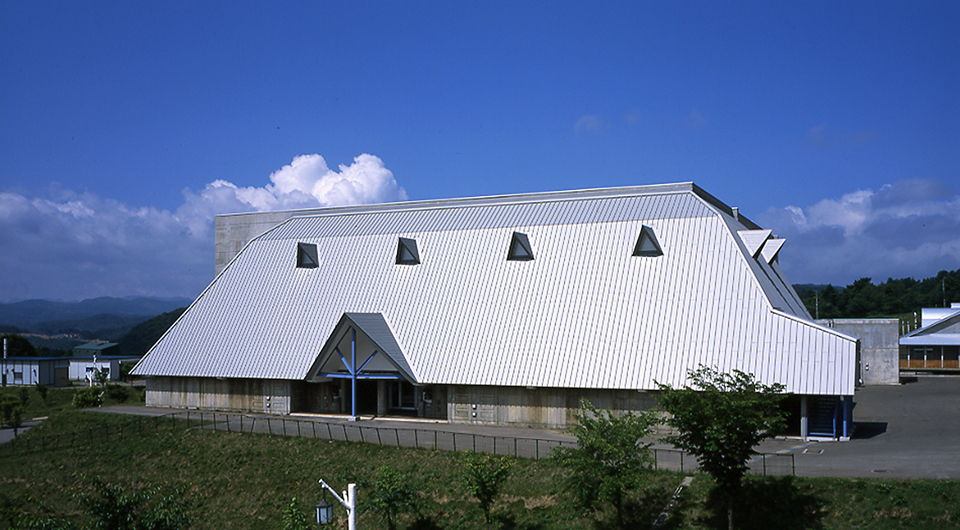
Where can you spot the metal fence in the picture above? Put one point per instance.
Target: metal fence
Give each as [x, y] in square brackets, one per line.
[536, 448]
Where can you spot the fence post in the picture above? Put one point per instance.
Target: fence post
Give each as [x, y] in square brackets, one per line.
[681, 461]
[764, 459]
[515, 447]
[344, 432]
[329, 434]
[537, 450]
[396, 433]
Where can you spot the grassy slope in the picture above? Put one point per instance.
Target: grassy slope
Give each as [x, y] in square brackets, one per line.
[241, 481]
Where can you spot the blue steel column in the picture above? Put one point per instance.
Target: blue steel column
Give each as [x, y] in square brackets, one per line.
[353, 374]
[847, 415]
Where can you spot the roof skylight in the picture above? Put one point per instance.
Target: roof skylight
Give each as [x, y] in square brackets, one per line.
[307, 256]
[647, 244]
[407, 252]
[520, 249]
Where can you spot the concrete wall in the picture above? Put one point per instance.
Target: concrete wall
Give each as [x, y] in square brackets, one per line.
[246, 395]
[879, 347]
[553, 408]
[235, 231]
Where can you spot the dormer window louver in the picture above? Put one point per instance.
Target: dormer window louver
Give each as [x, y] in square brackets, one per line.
[307, 256]
[520, 249]
[407, 253]
[647, 244]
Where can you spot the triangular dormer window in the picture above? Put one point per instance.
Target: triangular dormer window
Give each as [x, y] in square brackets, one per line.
[307, 256]
[647, 244]
[407, 252]
[520, 249]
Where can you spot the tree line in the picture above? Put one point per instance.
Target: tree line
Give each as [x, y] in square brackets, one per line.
[894, 297]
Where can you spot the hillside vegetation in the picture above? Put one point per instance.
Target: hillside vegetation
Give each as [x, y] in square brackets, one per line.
[234, 480]
[892, 298]
[145, 334]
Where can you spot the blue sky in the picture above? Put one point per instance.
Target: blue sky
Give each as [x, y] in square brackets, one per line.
[125, 126]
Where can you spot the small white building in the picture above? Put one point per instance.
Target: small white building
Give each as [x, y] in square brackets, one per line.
[50, 371]
[504, 310]
[83, 368]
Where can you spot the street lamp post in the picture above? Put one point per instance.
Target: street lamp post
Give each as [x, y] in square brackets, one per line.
[348, 501]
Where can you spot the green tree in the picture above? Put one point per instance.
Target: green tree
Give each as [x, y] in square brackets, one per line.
[393, 496]
[485, 475]
[720, 418]
[11, 413]
[43, 390]
[18, 346]
[101, 376]
[609, 459]
[151, 509]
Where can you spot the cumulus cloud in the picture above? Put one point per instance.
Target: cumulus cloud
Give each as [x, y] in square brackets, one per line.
[910, 228]
[69, 245]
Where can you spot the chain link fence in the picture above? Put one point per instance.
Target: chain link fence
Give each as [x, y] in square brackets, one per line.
[522, 447]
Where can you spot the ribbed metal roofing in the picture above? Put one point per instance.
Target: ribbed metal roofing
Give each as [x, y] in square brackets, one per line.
[584, 313]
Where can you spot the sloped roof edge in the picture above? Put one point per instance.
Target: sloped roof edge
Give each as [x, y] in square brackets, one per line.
[932, 328]
[518, 198]
[815, 325]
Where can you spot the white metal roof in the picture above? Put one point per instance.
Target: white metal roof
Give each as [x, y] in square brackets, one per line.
[584, 313]
[942, 332]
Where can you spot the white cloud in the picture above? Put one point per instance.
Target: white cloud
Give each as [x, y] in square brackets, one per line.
[70, 245]
[910, 228]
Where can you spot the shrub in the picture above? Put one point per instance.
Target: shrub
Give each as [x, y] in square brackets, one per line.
[88, 397]
[118, 393]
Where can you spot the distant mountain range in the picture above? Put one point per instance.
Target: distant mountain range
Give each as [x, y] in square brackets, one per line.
[106, 316]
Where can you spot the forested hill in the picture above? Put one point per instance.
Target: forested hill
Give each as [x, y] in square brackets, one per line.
[139, 339]
[891, 298]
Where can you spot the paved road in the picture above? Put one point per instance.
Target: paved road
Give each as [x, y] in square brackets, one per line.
[904, 431]
[6, 435]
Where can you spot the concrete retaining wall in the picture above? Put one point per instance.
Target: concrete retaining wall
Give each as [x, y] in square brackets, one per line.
[879, 347]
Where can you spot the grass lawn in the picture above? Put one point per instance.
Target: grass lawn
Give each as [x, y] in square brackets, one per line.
[61, 399]
[243, 481]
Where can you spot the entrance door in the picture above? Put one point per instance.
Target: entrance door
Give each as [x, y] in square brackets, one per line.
[822, 415]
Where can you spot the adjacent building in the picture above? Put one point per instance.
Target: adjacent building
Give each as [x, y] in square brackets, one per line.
[935, 345]
[504, 310]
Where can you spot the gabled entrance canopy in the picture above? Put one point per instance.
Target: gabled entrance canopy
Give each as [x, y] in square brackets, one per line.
[361, 347]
